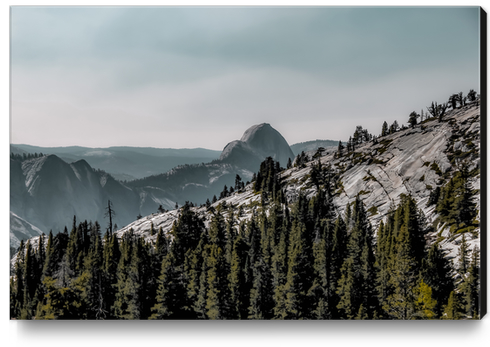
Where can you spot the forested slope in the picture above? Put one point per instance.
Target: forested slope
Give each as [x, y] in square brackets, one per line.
[387, 228]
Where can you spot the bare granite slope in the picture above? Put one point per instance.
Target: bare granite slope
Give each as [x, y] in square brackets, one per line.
[411, 161]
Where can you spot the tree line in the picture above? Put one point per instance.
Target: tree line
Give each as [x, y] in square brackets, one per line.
[25, 156]
[434, 111]
[438, 111]
[302, 260]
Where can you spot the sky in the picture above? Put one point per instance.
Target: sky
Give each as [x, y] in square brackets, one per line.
[186, 77]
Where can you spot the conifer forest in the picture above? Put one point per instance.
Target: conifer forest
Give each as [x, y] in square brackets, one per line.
[301, 259]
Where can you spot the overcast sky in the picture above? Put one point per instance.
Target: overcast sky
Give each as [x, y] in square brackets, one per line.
[186, 77]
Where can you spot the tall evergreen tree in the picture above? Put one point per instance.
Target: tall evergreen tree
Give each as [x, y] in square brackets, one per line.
[300, 270]
[406, 258]
[384, 129]
[436, 273]
[453, 309]
[425, 304]
[356, 286]
[239, 288]
[470, 287]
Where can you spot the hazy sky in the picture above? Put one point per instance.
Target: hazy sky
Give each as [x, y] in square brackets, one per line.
[199, 77]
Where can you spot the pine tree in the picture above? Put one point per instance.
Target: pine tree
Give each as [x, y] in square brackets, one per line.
[213, 298]
[123, 291]
[199, 305]
[424, 303]
[111, 258]
[239, 288]
[463, 257]
[384, 129]
[29, 281]
[471, 95]
[340, 150]
[382, 263]
[436, 272]
[48, 266]
[463, 202]
[412, 119]
[356, 286]
[109, 212]
[319, 290]
[300, 270]
[280, 223]
[453, 99]
[470, 288]
[453, 308]
[260, 295]
[186, 233]
[403, 242]
[337, 258]
[168, 300]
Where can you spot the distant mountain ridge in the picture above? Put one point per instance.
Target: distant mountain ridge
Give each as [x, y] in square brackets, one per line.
[414, 161]
[125, 163]
[309, 146]
[48, 191]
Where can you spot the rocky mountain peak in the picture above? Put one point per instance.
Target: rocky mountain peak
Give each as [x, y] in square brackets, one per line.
[258, 142]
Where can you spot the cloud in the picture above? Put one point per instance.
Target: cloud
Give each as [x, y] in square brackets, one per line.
[149, 76]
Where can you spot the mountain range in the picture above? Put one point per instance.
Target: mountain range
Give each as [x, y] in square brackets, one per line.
[387, 228]
[125, 163]
[411, 162]
[46, 192]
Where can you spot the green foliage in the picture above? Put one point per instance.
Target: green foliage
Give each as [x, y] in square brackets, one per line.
[455, 204]
[436, 168]
[453, 309]
[60, 303]
[356, 286]
[400, 250]
[436, 272]
[267, 179]
[470, 287]
[384, 129]
[384, 145]
[412, 119]
[373, 210]
[424, 303]
[296, 261]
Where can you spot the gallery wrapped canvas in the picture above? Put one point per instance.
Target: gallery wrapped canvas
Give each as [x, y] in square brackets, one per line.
[264, 163]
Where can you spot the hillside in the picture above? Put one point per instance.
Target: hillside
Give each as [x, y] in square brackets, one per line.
[197, 183]
[48, 191]
[412, 162]
[388, 229]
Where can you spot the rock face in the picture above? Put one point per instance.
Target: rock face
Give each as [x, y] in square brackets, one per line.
[21, 229]
[47, 192]
[412, 161]
[257, 143]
